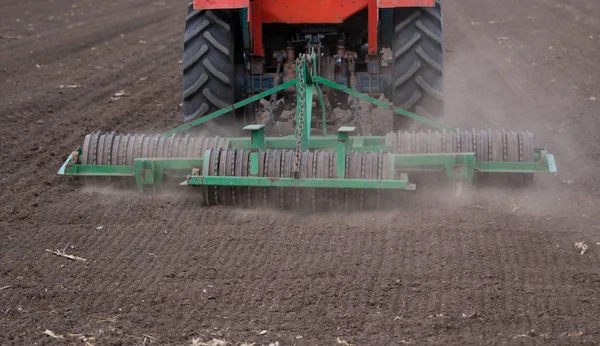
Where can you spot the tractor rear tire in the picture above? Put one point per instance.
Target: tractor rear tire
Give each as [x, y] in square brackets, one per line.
[208, 65]
[418, 63]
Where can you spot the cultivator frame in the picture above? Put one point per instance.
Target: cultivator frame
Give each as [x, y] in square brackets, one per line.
[330, 162]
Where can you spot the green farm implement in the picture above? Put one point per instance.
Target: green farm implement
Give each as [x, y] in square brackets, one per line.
[304, 169]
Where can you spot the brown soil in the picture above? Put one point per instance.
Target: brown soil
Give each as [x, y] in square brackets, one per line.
[497, 267]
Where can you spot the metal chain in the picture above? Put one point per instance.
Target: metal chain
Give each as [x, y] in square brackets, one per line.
[302, 100]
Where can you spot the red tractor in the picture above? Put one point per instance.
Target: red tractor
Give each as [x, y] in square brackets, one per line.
[237, 48]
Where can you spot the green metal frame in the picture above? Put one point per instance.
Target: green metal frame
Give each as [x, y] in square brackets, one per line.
[150, 173]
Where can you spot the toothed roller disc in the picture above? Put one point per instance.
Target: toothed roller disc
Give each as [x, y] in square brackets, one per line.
[137, 147]
[435, 140]
[353, 196]
[99, 151]
[145, 146]
[130, 150]
[88, 152]
[466, 142]
[300, 194]
[420, 142]
[153, 146]
[307, 195]
[159, 146]
[108, 148]
[321, 172]
[237, 194]
[256, 195]
[247, 192]
[527, 148]
[152, 143]
[192, 148]
[114, 153]
[482, 144]
[286, 196]
[404, 143]
[85, 149]
[336, 196]
[182, 146]
[213, 170]
[223, 168]
[512, 146]
[379, 176]
[391, 140]
[234, 161]
[367, 196]
[314, 192]
[275, 171]
[121, 160]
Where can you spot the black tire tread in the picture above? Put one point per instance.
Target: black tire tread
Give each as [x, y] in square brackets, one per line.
[418, 63]
[208, 63]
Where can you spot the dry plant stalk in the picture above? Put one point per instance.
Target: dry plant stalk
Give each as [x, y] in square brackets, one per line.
[343, 342]
[64, 254]
[51, 334]
[581, 247]
[108, 319]
[213, 342]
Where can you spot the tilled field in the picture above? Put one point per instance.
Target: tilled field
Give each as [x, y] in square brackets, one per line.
[496, 267]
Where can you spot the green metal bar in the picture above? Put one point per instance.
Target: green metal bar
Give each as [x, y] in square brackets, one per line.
[305, 141]
[316, 142]
[257, 142]
[230, 108]
[429, 159]
[129, 171]
[321, 101]
[64, 166]
[383, 104]
[254, 163]
[292, 182]
[391, 166]
[146, 173]
[100, 170]
[403, 160]
[329, 141]
[469, 167]
[257, 136]
[551, 163]
[307, 75]
[206, 162]
[375, 148]
[511, 167]
[342, 146]
[323, 110]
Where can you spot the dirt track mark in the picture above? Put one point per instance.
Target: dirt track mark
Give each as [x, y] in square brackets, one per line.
[112, 62]
[86, 34]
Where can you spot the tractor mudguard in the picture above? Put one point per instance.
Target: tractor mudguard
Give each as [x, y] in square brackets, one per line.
[230, 4]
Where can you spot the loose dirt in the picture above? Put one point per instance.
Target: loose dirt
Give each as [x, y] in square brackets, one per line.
[497, 267]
